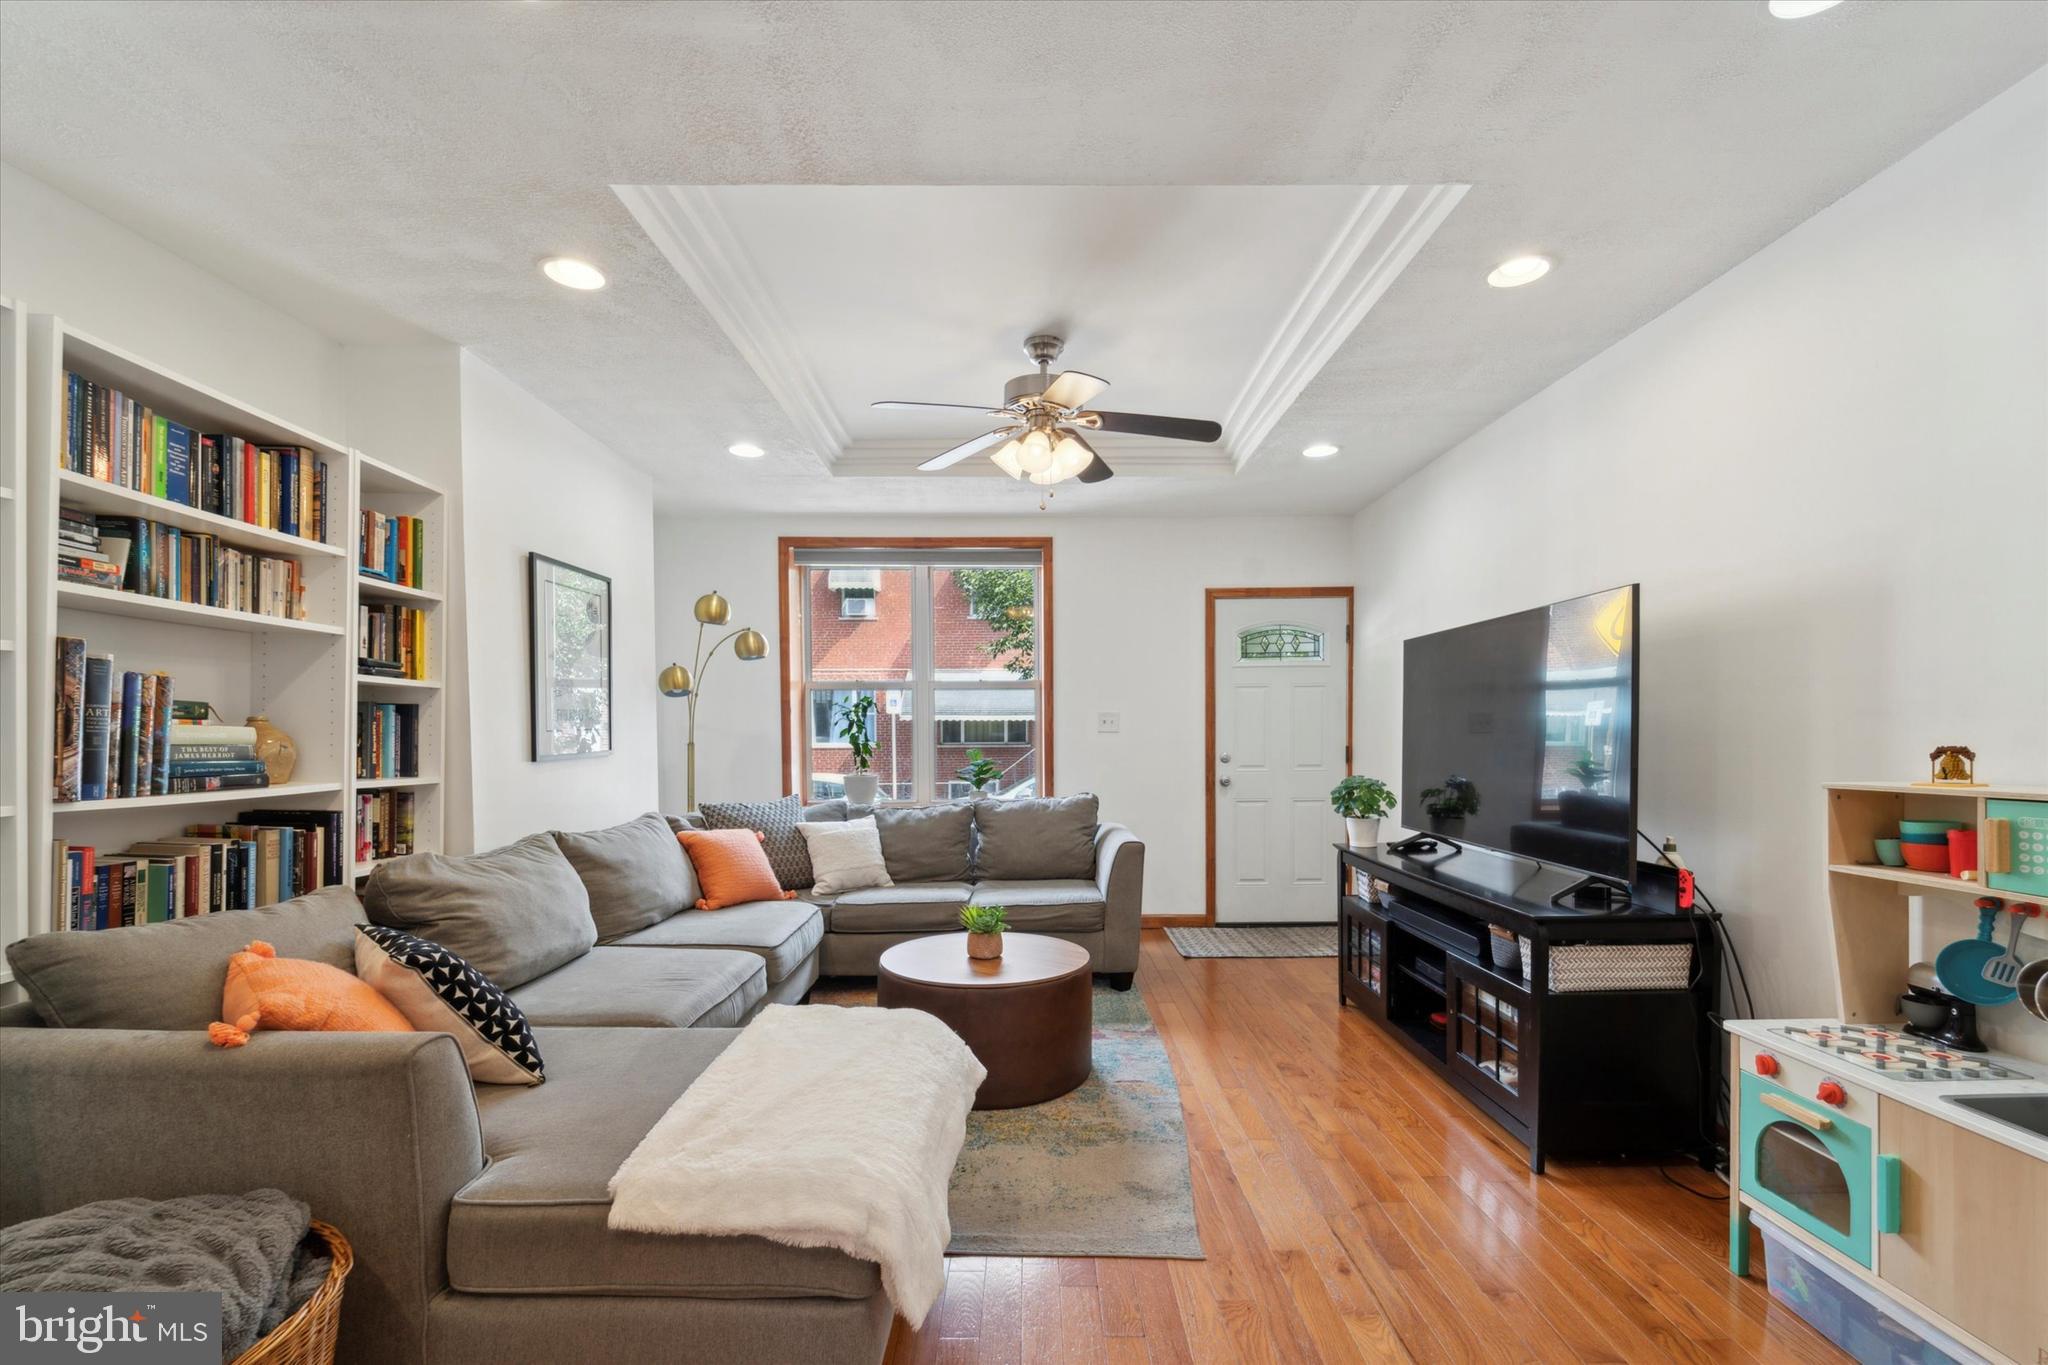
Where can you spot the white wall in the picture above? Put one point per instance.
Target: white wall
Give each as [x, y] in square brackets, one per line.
[58, 256]
[1127, 637]
[1829, 471]
[532, 481]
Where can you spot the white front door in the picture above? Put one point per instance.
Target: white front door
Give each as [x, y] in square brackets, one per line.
[1282, 674]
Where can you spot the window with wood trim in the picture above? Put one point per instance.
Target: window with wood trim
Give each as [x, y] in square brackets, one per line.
[947, 639]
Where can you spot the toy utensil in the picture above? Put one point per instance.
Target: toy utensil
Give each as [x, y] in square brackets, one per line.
[2004, 970]
[1961, 965]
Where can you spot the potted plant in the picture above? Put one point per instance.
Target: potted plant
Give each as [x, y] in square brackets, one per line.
[1361, 801]
[979, 772]
[1589, 773]
[984, 925]
[1448, 805]
[857, 728]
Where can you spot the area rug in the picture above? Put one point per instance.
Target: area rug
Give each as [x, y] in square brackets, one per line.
[1102, 1171]
[1261, 940]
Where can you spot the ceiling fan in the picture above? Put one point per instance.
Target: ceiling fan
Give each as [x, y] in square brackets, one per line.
[1044, 415]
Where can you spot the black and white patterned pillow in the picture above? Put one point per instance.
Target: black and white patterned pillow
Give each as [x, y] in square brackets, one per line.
[439, 992]
[787, 853]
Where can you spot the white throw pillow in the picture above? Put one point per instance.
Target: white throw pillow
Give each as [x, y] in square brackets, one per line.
[845, 856]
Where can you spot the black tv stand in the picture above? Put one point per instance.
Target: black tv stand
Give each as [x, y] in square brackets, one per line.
[1614, 894]
[1581, 1061]
[1426, 843]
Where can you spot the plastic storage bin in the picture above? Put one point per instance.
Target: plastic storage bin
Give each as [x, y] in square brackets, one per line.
[1851, 1314]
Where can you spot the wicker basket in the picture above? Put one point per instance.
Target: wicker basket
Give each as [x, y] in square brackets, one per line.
[308, 1336]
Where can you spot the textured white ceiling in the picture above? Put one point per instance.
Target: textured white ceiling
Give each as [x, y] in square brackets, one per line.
[388, 171]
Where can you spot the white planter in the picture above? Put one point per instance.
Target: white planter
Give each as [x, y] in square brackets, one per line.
[861, 788]
[1362, 833]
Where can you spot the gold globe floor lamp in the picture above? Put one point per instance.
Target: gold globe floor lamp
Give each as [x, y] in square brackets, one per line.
[678, 681]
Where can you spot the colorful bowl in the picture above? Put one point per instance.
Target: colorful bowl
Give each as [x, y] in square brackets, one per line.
[1930, 826]
[1941, 838]
[1926, 857]
[1888, 853]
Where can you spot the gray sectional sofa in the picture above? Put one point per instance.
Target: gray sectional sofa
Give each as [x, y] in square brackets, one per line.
[477, 1212]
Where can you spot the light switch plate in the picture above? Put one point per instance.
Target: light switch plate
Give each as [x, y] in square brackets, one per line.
[1108, 723]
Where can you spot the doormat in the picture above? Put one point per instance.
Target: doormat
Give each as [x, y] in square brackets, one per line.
[1257, 940]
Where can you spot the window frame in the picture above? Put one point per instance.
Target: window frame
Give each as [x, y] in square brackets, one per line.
[927, 556]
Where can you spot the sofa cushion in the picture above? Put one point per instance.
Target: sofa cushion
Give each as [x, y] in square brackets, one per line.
[440, 993]
[776, 822]
[1037, 907]
[636, 988]
[927, 843]
[1035, 838]
[170, 976]
[838, 808]
[635, 874]
[846, 855]
[783, 933]
[513, 913]
[534, 1221]
[930, 907]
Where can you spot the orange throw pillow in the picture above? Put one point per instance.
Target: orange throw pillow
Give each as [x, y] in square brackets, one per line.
[268, 991]
[731, 867]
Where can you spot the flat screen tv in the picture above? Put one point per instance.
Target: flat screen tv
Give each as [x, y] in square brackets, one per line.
[1519, 733]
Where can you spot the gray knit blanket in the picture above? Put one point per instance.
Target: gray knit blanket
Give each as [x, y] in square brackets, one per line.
[245, 1247]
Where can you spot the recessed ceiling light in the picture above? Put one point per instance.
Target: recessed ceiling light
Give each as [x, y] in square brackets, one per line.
[1800, 9]
[745, 451]
[1321, 450]
[571, 273]
[1519, 271]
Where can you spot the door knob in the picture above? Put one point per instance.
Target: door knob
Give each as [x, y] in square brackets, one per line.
[1223, 758]
[1222, 781]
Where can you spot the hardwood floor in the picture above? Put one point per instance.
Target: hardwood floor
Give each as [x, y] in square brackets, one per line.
[1354, 1208]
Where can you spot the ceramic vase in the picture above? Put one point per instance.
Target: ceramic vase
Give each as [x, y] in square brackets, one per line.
[985, 946]
[274, 749]
[1361, 833]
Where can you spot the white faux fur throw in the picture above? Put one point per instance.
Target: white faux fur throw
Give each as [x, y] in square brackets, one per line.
[821, 1126]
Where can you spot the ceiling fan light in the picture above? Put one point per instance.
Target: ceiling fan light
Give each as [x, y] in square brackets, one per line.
[1034, 452]
[1070, 457]
[1005, 456]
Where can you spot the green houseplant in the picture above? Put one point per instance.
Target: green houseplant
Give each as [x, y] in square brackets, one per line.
[1589, 773]
[857, 727]
[984, 925]
[980, 771]
[1362, 801]
[1448, 805]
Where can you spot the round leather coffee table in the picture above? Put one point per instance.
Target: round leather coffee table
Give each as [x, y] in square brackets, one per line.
[1027, 1015]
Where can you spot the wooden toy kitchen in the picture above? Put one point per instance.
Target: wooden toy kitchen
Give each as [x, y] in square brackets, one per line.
[1888, 1155]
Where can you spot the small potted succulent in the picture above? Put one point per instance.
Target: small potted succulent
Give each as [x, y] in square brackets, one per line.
[857, 727]
[984, 925]
[1361, 801]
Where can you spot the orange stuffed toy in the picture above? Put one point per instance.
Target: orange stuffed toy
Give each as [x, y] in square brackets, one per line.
[268, 991]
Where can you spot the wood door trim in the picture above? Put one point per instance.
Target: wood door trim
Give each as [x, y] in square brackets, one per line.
[787, 600]
[1210, 597]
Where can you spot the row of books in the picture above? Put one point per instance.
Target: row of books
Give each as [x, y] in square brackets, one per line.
[392, 548]
[260, 859]
[384, 825]
[387, 739]
[391, 641]
[150, 558]
[116, 439]
[117, 735]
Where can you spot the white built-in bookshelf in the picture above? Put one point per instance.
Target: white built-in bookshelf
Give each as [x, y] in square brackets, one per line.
[14, 692]
[301, 673]
[381, 488]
